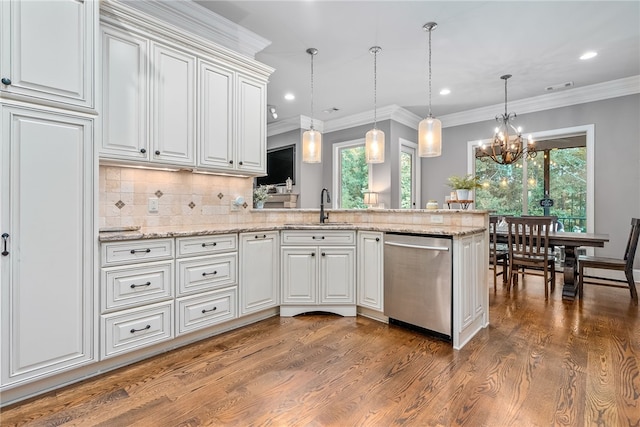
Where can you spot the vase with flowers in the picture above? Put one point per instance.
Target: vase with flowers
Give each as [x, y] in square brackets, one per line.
[260, 194]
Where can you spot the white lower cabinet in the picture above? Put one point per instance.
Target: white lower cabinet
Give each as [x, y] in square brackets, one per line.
[136, 295]
[318, 277]
[207, 281]
[206, 309]
[47, 293]
[371, 270]
[136, 328]
[470, 292]
[259, 271]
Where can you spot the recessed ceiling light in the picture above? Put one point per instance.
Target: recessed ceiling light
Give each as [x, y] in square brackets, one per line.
[289, 96]
[588, 55]
[445, 91]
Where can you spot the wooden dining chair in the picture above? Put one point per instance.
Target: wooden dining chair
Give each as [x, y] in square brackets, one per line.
[498, 252]
[529, 249]
[625, 264]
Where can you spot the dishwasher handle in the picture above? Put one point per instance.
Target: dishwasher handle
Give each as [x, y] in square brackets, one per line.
[429, 248]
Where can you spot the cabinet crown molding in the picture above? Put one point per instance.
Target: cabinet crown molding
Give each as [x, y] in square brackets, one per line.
[196, 19]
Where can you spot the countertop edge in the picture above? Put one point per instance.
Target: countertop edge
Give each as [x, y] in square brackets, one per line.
[249, 228]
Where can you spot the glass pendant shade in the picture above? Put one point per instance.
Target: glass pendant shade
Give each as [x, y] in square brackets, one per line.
[312, 146]
[430, 137]
[374, 139]
[374, 146]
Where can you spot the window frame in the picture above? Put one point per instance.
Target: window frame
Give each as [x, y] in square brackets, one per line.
[337, 170]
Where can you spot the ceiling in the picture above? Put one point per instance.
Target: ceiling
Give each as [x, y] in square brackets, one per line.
[538, 42]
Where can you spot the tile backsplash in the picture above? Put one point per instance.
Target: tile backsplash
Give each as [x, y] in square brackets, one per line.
[184, 198]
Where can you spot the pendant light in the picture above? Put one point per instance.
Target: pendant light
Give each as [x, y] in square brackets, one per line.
[430, 129]
[312, 139]
[374, 139]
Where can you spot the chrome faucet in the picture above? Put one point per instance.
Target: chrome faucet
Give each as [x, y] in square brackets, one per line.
[322, 215]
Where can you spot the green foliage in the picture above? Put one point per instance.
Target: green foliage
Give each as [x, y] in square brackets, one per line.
[260, 193]
[405, 181]
[354, 177]
[466, 182]
[501, 190]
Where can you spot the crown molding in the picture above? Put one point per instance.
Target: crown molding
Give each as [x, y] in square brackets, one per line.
[581, 95]
[293, 123]
[390, 112]
[199, 20]
[596, 92]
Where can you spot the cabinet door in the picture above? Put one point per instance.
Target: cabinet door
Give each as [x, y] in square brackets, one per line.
[172, 106]
[215, 114]
[48, 301]
[251, 140]
[124, 95]
[259, 271]
[370, 270]
[47, 50]
[337, 275]
[466, 271]
[299, 275]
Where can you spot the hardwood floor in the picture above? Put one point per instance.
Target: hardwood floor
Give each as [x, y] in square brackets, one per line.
[538, 363]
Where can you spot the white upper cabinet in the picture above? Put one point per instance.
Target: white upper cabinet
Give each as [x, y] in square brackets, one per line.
[215, 114]
[47, 51]
[124, 95]
[172, 106]
[170, 99]
[251, 147]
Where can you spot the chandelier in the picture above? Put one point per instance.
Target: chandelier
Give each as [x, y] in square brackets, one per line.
[507, 145]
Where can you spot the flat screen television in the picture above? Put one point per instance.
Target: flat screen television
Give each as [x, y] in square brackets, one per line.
[281, 164]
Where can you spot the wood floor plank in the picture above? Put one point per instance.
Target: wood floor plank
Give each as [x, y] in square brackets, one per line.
[539, 363]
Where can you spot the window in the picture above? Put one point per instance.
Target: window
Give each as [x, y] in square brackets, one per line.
[409, 172]
[558, 173]
[352, 176]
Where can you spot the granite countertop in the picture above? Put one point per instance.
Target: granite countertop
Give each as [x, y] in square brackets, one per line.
[135, 233]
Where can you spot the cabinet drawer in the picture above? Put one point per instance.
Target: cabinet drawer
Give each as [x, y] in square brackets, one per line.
[188, 246]
[206, 273]
[318, 237]
[128, 330]
[131, 286]
[129, 252]
[202, 310]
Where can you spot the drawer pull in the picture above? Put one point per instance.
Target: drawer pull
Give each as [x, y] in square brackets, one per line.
[133, 331]
[213, 309]
[5, 236]
[140, 286]
[264, 236]
[314, 238]
[204, 245]
[209, 274]
[133, 251]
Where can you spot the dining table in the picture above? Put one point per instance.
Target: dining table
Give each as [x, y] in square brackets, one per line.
[571, 241]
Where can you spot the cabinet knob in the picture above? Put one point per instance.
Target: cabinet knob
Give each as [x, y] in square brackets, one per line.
[323, 254]
[143, 150]
[6, 81]
[230, 162]
[157, 152]
[377, 239]
[313, 254]
[240, 163]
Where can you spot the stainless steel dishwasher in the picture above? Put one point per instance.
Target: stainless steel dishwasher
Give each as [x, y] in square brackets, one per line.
[418, 282]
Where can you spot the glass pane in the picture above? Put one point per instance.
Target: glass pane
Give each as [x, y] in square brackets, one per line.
[568, 187]
[406, 180]
[535, 184]
[354, 174]
[501, 191]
